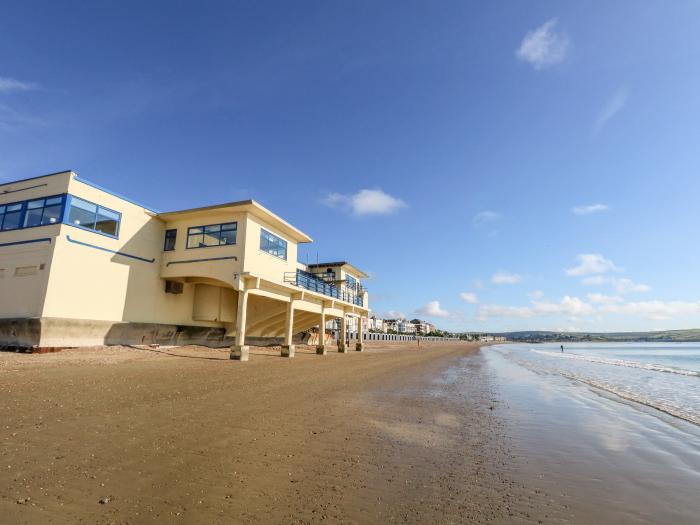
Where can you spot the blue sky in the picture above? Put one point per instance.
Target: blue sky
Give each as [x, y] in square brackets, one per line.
[493, 165]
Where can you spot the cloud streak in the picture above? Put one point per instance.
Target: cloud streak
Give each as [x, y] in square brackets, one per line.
[10, 84]
[590, 208]
[611, 108]
[545, 46]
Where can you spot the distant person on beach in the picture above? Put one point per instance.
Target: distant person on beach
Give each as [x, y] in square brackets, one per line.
[562, 348]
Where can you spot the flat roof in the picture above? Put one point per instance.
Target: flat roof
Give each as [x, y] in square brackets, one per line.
[249, 205]
[352, 268]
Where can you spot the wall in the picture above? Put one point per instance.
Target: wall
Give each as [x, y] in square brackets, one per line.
[262, 263]
[22, 291]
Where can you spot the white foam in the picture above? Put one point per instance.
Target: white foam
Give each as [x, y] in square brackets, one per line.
[620, 362]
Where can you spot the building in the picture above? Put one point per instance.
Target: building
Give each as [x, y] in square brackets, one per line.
[81, 265]
[423, 327]
[376, 324]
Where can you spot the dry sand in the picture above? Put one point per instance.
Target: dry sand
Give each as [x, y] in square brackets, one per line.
[183, 435]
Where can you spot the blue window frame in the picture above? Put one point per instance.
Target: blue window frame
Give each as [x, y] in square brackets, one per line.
[212, 235]
[44, 211]
[93, 217]
[40, 212]
[270, 243]
[170, 238]
[11, 216]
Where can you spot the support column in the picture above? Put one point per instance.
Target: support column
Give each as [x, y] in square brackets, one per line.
[239, 351]
[321, 348]
[287, 347]
[342, 334]
[359, 345]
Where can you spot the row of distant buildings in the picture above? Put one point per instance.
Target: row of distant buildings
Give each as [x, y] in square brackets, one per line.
[400, 326]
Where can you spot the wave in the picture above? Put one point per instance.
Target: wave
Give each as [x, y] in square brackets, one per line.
[631, 396]
[620, 362]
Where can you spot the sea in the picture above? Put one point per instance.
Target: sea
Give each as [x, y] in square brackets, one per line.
[663, 376]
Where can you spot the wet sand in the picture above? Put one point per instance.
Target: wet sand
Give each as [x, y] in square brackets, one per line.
[124, 435]
[608, 460]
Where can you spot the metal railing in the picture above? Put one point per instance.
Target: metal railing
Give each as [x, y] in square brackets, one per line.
[310, 282]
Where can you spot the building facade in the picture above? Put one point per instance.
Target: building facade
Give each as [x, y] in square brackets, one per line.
[80, 265]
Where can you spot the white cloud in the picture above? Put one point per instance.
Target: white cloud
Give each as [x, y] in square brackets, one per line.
[544, 46]
[611, 108]
[391, 314]
[469, 297]
[590, 208]
[484, 218]
[569, 306]
[591, 263]
[537, 294]
[598, 306]
[432, 309]
[502, 277]
[10, 84]
[624, 286]
[599, 298]
[654, 310]
[365, 202]
[620, 285]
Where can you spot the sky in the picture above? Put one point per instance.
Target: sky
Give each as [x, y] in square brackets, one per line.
[494, 166]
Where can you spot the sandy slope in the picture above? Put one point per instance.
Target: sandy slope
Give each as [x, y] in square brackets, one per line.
[186, 436]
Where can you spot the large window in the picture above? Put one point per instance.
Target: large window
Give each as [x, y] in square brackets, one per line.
[11, 216]
[170, 238]
[272, 244]
[43, 211]
[90, 216]
[212, 235]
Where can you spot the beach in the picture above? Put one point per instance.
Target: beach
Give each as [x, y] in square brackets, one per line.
[396, 434]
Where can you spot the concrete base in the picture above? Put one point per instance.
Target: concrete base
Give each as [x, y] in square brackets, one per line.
[240, 352]
[359, 347]
[321, 350]
[288, 350]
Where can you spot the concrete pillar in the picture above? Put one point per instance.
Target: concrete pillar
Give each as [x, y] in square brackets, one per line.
[321, 348]
[239, 351]
[341, 336]
[359, 345]
[287, 346]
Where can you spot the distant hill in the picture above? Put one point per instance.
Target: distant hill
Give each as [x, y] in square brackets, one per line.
[661, 337]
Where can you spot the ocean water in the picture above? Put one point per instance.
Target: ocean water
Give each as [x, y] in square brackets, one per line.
[664, 376]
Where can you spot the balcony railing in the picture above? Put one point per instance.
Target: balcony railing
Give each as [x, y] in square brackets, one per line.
[310, 282]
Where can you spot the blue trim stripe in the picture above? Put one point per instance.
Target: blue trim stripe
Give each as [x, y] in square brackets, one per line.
[110, 251]
[127, 199]
[29, 241]
[202, 260]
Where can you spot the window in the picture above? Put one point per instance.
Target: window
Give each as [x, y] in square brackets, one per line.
[212, 235]
[11, 216]
[273, 245]
[43, 211]
[350, 281]
[170, 237]
[90, 216]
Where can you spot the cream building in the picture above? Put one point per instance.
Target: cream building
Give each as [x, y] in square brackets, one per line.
[80, 265]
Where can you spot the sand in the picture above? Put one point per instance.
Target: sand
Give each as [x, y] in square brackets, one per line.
[183, 435]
